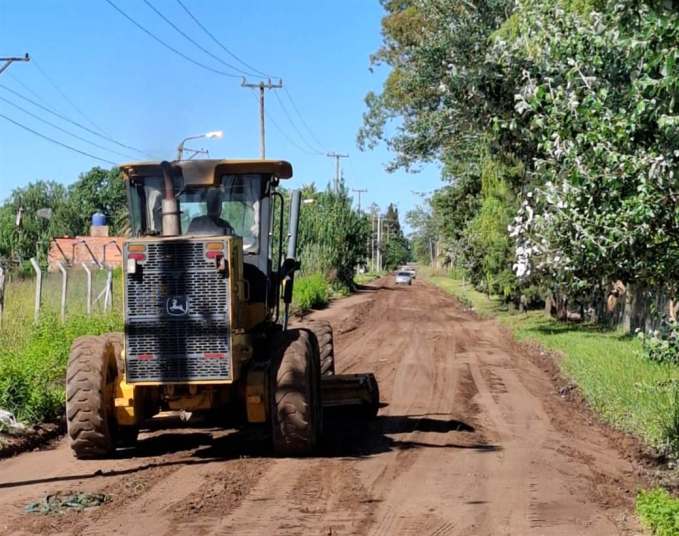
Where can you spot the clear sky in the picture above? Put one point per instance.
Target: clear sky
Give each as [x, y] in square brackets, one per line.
[120, 82]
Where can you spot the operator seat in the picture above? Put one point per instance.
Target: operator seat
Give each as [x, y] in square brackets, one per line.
[211, 224]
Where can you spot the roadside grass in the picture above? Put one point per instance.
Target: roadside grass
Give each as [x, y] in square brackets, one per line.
[367, 277]
[33, 356]
[310, 292]
[659, 512]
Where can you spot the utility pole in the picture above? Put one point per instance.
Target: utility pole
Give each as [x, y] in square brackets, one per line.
[262, 86]
[337, 157]
[379, 242]
[10, 60]
[359, 192]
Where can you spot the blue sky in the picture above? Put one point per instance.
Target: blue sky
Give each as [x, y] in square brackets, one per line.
[121, 82]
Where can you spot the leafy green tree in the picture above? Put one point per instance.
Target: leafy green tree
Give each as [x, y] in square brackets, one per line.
[33, 234]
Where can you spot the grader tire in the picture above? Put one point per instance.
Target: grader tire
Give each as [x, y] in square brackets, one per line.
[326, 351]
[117, 339]
[296, 413]
[89, 397]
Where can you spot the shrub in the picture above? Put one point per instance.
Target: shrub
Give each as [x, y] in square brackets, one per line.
[659, 512]
[662, 345]
[311, 291]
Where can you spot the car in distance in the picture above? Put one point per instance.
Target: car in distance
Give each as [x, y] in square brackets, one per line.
[409, 269]
[403, 278]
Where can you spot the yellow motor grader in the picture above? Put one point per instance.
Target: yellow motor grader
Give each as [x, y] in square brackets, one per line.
[207, 289]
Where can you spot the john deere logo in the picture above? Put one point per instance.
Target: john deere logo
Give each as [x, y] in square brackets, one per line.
[177, 306]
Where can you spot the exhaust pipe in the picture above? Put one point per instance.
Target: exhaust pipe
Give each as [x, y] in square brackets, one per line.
[170, 210]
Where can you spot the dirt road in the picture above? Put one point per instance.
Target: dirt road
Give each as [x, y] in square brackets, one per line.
[473, 439]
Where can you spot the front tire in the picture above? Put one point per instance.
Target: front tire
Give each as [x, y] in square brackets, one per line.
[296, 418]
[90, 378]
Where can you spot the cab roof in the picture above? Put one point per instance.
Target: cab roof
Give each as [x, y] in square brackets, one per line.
[204, 172]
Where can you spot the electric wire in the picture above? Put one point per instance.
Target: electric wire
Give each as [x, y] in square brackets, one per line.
[194, 42]
[26, 87]
[221, 45]
[60, 129]
[64, 118]
[65, 97]
[284, 134]
[57, 142]
[301, 118]
[170, 47]
[294, 125]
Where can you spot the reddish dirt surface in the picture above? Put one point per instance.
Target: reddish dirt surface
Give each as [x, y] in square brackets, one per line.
[473, 439]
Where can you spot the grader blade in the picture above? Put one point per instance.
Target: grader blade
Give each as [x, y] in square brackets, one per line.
[357, 393]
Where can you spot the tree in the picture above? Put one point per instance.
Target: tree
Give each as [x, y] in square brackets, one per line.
[33, 234]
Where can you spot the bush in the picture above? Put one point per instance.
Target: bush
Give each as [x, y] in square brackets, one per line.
[662, 345]
[311, 291]
[659, 512]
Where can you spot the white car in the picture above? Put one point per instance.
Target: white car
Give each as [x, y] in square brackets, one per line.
[403, 278]
[408, 269]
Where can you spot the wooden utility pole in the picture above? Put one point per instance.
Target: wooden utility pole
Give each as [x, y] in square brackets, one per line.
[12, 59]
[359, 192]
[262, 86]
[337, 157]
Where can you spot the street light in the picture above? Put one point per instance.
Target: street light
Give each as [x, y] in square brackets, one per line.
[212, 134]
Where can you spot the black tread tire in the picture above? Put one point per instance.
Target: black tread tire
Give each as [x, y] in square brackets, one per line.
[296, 407]
[117, 339]
[322, 330]
[89, 397]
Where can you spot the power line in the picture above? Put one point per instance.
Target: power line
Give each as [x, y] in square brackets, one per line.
[170, 47]
[27, 88]
[221, 45]
[65, 97]
[56, 141]
[301, 118]
[64, 118]
[294, 125]
[194, 42]
[57, 127]
[284, 134]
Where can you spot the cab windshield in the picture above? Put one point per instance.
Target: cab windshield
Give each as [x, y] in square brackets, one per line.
[230, 207]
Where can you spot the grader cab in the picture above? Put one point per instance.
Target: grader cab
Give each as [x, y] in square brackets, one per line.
[207, 287]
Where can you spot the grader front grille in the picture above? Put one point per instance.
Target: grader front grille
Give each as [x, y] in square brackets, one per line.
[176, 315]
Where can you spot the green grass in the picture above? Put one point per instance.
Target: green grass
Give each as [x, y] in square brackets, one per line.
[628, 391]
[659, 512]
[367, 277]
[33, 356]
[310, 292]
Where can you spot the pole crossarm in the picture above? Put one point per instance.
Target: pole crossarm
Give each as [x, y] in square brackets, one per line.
[337, 157]
[11, 59]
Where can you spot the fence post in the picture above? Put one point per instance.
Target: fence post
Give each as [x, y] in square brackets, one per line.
[109, 289]
[88, 275]
[38, 288]
[2, 294]
[64, 290]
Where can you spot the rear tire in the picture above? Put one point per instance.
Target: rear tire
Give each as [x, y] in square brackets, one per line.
[322, 330]
[90, 378]
[296, 409]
